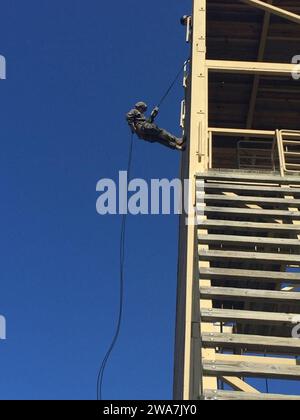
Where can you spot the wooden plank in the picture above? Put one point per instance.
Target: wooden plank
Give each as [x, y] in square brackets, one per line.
[284, 346]
[268, 227]
[236, 294]
[238, 384]
[277, 214]
[242, 132]
[239, 396]
[247, 188]
[291, 142]
[213, 255]
[248, 317]
[293, 154]
[248, 240]
[250, 370]
[249, 199]
[279, 11]
[289, 361]
[250, 177]
[255, 275]
[249, 67]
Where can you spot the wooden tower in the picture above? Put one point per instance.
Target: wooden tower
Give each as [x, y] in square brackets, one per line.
[238, 304]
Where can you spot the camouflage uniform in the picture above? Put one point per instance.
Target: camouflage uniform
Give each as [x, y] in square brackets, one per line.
[149, 131]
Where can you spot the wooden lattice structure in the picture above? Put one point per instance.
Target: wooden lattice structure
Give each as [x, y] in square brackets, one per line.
[239, 277]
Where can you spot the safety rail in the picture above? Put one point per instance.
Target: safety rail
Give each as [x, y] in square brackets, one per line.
[257, 154]
[262, 149]
[289, 150]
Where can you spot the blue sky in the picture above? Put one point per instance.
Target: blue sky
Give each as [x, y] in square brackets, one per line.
[74, 68]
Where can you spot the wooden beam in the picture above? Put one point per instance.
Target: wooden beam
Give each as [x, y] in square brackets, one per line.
[237, 294]
[250, 177]
[250, 370]
[283, 13]
[248, 317]
[238, 384]
[257, 359]
[242, 188]
[255, 275]
[276, 214]
[249, 67]
[248, 240]
[283, 202]
[236, 132]
[268, 227]
[278, 345]
[269, 258]
[239, 396]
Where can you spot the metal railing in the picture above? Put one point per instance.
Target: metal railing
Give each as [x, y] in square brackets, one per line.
[289, 151]
[262, 149]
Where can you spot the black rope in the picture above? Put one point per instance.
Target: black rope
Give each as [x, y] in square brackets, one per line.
[121, 302]
[267, 380]
[122, 257]
[172, 84]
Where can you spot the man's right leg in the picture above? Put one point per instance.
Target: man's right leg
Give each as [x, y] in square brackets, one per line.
[151, 132]
[169, 139]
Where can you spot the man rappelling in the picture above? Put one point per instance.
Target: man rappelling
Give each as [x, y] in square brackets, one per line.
[146, 129]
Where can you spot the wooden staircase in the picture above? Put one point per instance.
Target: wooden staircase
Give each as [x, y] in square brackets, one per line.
[249, 256]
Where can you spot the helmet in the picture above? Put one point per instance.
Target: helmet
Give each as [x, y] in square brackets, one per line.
[141, 105]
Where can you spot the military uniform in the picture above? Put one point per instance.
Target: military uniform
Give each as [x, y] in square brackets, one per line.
[147, 130]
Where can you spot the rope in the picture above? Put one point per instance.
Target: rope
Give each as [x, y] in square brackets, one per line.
[267, 381]
[122, 258]
[172, 84]
[121, 301]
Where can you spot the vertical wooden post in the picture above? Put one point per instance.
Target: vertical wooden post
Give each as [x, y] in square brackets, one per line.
[198, 162]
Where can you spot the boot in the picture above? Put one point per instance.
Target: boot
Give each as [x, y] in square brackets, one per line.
[180, 143]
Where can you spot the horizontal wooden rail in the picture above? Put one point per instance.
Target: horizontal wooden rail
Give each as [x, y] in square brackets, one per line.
[284, 346]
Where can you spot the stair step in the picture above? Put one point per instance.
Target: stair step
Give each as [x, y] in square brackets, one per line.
[247, 370]
[249, 177]
[293, 165]
[247, 188]
[255, 275]
[253, 343]
[248, 199]
[291, 142]
[248, 317]
[246, 212]
[268, 227]
[212, 255]
[236, 294]
[292, 154]
[248, 240]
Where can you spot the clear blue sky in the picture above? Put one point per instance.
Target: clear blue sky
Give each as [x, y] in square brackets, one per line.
[74, 68]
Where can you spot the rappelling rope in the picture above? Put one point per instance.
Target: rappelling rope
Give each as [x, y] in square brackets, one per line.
[121, 302]
[122, 256]
[164, 97]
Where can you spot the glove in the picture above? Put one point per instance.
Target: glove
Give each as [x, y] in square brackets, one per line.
[154, 114]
